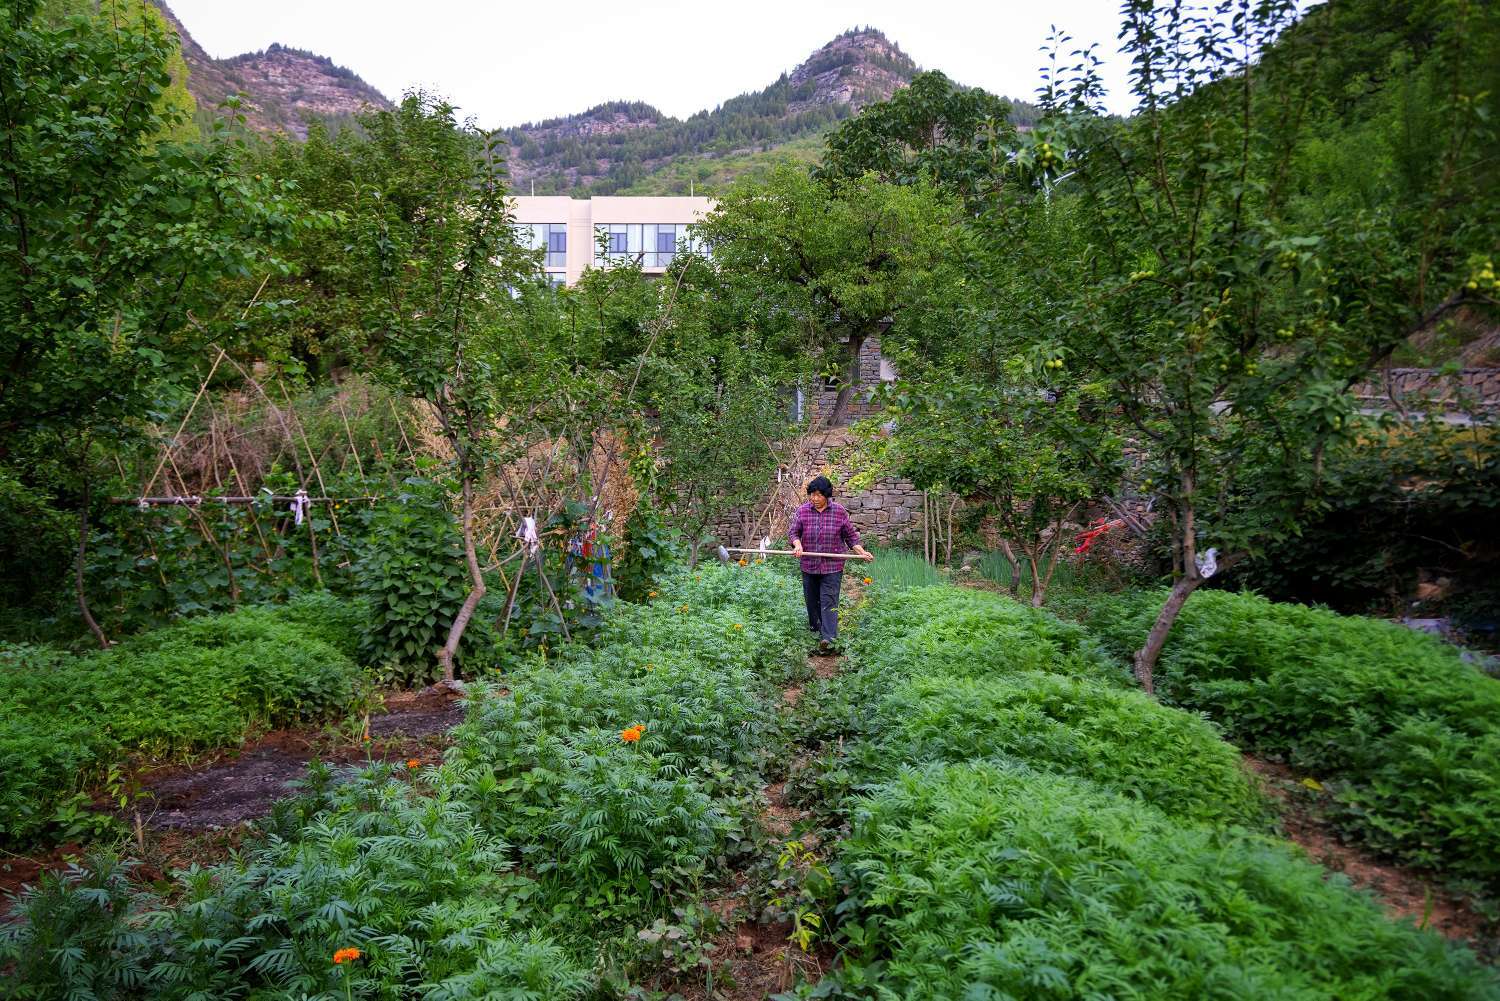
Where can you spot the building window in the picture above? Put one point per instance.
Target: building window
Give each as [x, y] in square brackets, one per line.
[655, 245]
[550, 237]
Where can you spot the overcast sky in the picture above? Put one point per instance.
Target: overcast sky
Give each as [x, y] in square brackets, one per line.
[509, 63]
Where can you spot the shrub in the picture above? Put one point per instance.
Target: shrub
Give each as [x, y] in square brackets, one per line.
[410, 571]
[1122, 740]
[963, 633]
[1412, 731]
[981, 880]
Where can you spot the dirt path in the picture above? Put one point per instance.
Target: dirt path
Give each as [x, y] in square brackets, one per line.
[1404, 892]
[753, 959]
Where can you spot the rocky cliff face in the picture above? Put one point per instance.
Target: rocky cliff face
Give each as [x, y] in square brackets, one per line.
[281, 88]
[858, 68]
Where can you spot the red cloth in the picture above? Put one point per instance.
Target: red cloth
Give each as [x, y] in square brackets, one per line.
[825, 531]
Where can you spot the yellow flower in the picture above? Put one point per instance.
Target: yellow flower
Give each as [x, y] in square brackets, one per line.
[738, 626]
[1313, 784]
[650, 594]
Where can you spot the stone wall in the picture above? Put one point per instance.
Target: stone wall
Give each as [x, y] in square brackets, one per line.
[1472, 390]
[889, 511]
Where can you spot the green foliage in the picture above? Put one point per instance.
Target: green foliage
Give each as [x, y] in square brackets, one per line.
[652, 547]
[203, 683]
[1417, 497]
[899, 568]
[991, 881]
[610, 825]
[409, 573]
[1121, 740]
[826, 266]
[1025, 448]
[418, 869]
[931, 130]
[111, 232]
[963, 633]
[1411, 732]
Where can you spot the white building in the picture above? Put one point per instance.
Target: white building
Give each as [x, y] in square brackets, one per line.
[570, 230]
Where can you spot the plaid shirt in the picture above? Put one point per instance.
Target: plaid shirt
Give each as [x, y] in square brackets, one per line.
[825, 531]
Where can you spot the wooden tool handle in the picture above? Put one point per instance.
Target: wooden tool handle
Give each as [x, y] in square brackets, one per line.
[793, 552]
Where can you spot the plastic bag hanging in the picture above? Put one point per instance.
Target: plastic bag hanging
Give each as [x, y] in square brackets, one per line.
[1207, 563]
[527, 534]
[300, 503]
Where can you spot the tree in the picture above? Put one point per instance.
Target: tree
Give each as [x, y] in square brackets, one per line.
[832, 263]
[112, 232]
[1225, 320]
[447, 294]
[957, 138]
[1031, 450]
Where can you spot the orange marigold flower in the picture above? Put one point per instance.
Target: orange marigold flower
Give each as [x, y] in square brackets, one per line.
[346, 956]
[869, 580]
[630, 734]
[650, 594]
[743, 563]
[413, 764]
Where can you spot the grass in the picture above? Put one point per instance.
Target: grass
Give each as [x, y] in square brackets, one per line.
[899, 568]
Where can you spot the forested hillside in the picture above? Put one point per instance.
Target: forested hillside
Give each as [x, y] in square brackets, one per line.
[281, 89]
[633, 148]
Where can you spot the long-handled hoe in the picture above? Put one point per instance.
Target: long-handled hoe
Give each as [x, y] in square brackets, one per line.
[724, 554]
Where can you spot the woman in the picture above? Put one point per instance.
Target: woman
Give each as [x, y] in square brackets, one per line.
[821, 526]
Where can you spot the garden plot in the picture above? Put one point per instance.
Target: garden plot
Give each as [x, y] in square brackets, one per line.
[601, 793]
[1017, 825]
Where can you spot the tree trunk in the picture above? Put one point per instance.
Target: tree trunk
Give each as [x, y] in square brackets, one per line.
[83, 545]
[851, 382]
[476, 589]
[1015, 568]
[1145, 657]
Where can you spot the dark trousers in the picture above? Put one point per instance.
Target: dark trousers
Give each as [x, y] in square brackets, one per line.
[821, 592]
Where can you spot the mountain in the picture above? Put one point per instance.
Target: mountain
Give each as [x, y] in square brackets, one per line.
[623, 146]
[282, 87]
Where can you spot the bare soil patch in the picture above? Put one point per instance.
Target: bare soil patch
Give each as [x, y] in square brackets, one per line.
[194, 812]
[1402, 891]
[238, 785]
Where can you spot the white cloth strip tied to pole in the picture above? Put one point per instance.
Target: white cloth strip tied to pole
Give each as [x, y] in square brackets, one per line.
[300, 503]
[527, 534]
